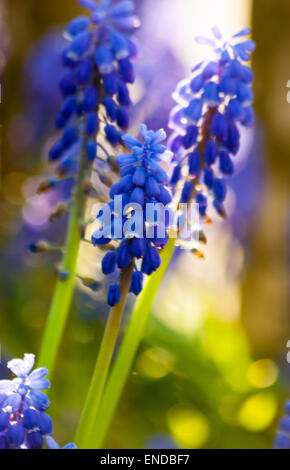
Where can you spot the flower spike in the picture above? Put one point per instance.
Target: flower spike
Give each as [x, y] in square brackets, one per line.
[24, 423]
[211, 106]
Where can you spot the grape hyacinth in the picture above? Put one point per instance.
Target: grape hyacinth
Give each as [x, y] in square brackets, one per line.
[142, 182]
[282, 440]
[95, 88]
[212, 103]
[24, 423]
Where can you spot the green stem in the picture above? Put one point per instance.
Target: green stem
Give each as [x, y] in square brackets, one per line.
[64, 289]
[124, 361]
[104, 358]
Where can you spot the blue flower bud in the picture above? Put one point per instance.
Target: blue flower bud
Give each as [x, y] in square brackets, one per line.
[81, 43]
[282, 441]
[247, 75]
[138, 247]
[187, 191]
[151, 187]
[114, 295]
[190, 137]
[225, 163]
[194, 161]
[104, 60]
[232, 142]
[197, 83]
[210, 70]
[194, 110]
[164, 196]
[69, 137]
[112, 134]
[235, 69]
[127, 70]
[109, 262]
[244, 94]
[208, 177]
[78, 25]
[92, 123]
[15, 434]
[90, 101]
[4, 420]
[56, 151]
[91, 149]
[136, 282]
[44, 423]
[211, 151]
[201, 200]
[228, 85]
[211, 94]
[84, 72]
[235, 109]
[285, 425]
[219, 127]
[30, 418]
[35, 440]
[111, 108]
[139, 177]
[123, 256]
[248, 117]
[175, 175]
[137, 196]
[151, 260]
[111, 83]
[67, 85]
[125, 184]
[122, 118]
[123, 95]
[39, 400]
[219, 189]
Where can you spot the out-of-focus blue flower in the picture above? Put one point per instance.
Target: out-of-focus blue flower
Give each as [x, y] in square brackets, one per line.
[282, 440]
[142, 181]
[212, 103]
[95, 91]
[24, 423]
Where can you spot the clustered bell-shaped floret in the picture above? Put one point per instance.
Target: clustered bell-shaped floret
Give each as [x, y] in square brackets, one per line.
[99, 61]
[142, 181]
[212, 104]
[24, 423]
[282, 440]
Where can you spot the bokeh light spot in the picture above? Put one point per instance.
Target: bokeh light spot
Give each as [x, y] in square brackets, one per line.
[258, 411]
[262, 373]
[189, 427]
[155, 363]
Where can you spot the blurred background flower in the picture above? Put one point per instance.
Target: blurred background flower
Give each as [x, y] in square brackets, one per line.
[212, 370]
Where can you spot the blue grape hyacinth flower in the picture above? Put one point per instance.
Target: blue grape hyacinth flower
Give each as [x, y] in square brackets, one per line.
[95, 93]
[211, 106]
[24, 423]
[143, 181]
[282, 440]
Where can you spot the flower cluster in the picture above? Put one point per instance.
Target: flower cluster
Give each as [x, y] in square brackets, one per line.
[95, 88]
[282, 440]
[212, 103]
[23, 421]
[142, 185]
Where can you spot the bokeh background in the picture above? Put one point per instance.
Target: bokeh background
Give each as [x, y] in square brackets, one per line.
[212, 371]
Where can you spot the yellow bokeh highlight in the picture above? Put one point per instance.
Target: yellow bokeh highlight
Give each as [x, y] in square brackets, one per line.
[155, 363]
[262, 373]
[258, 411]
[189, 427]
